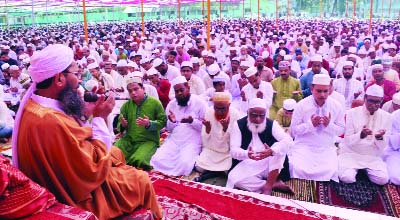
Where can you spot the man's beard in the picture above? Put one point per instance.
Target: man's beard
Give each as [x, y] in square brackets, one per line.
[260, 67]
[347, 76]
[72, 104]
[183, 101]
[220, 117]
[256, 128]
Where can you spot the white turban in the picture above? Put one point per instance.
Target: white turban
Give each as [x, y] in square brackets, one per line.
[375, 90]
[257, 103]
[48, 62]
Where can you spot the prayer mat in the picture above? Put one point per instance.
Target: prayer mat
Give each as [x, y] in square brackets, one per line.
[181, 199]
[362, 195]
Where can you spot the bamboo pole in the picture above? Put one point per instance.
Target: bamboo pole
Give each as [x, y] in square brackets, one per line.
[85, 26]
[258, 15]
[382, 11]
[220, 12]
[142, 7]
[276, 12]
[320, 9]
[347, 9]
[208, 23]
[179, 14]
[33, 16]
[370, 16]
[390, 7]
[354, 11]
[243, 10]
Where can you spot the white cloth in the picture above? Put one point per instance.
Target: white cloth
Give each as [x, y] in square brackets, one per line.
[208, 82]
[313, 155]
[356, 153]
[339, 98]
[392, 153]
[251, 93]
[256, 171]
[196, 85]
[215, 154]
[388, 106]
[171, 73]
[355, 86]
[180, 150]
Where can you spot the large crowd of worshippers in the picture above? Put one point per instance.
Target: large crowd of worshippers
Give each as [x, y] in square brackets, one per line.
[307, 99]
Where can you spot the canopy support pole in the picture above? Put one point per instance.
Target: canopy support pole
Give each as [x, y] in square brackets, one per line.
[220, 12]
[320, 9]
[354, 11]
[85, 27]
[179, 13]
[390, 7]
[347, 9]
[258, 15]
[47, 16]
[33, 16]
[142, 8]
[276, 12]
[7, 18]
[202, 11]
[243, 10]
[208, 23]
[370, 16]
[382, 11]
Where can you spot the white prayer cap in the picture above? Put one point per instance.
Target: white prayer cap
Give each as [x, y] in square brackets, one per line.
[250, 72]
[204, 53]
[152, 71]
[321, 79]
[156, 51]
[387, 60]
[374, 90]
[14, 67]
[218, 79]
[5, 66]
[289, 104]
[213, 69]
[371, 50]
[133, 64]
[211, 54]
[337, 44]
[6, 47]
[26, 60]
[282, 52]
[178, 80]
[194, 60]
[396, 98]
[284, 63]
[265, 54]
[157, 62]
[376, 66]
[237, 59]
[222, 97]
[348, 63]
[113, 62]
[51, 60]
[362, 52]
[352, 50]
[91, 84]
[189, 45]
[186, 64]
[316, 58]
[281, 42]
[93, 66]
[122, 63]
[287, 57]
[137, 74]
[134, 79]
[257, 103]
[392, 46]
[23, 56]
[245, 63]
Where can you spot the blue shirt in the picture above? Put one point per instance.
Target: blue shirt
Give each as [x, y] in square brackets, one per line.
[305, 82]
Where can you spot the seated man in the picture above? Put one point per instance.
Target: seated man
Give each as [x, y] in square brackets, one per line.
[141, 118]
[260, 145]
[75, 160]
[218, 120]
[180, 150]
[284, 115]
[364, 140]
[392, 105]
[392, 153]
[316, 121]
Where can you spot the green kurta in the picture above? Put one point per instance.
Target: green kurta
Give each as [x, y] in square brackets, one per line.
[139, 143]
[284, 89]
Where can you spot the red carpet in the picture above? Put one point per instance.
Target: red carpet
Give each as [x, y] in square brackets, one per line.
[212, 203]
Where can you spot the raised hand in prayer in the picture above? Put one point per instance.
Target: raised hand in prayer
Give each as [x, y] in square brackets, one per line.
[260, 95]
[325, 120]
[188, 120]
[225, 123]
[124, 122]
[379, 135]
[356, 94]
[242, 82]
[243, 95]
[145, 121]
[260, 155]
[315, 120]
[171, 117]
[365, 132]
[207, 124]
[104, 106]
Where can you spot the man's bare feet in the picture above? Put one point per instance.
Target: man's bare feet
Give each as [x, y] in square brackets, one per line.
[280, 186]
[267, 190]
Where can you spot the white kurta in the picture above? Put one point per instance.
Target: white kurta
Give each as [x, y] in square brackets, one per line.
[251, 93]
[354, 86]
[251, 174]
[392, 153]
[313, 155]
[356, 153]
[215, 154]
[180, 150]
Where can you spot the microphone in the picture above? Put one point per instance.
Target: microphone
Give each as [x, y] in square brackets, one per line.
[93, 97]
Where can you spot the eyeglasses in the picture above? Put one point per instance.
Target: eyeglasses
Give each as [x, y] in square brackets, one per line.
[254, 115]
[374, 102]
